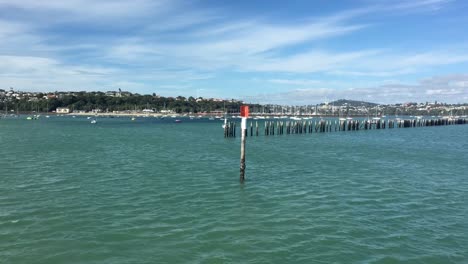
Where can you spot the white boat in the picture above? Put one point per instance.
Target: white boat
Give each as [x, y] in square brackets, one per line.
[295, 118]
[94, 121]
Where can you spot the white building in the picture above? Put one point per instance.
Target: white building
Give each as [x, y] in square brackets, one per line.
[62, 110]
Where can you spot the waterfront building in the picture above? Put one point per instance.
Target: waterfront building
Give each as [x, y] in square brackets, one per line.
[62, 110]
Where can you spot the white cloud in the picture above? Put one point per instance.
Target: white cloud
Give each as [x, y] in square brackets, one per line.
[296, 82]
[314, 61]
[86, 9]
[174, 44]
[445, 88]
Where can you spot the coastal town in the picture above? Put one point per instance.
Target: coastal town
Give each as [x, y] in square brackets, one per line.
[127, 103]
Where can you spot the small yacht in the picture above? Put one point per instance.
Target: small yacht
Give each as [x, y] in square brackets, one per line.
[94, 121]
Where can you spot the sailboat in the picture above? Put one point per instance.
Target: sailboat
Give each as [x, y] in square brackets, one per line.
[225, 121]
[94, 121]
[340, 118]
[376, 117]
[133, 117]
[347, 113]
[225, 117]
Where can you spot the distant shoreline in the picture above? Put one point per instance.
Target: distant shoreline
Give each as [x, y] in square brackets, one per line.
[229, 115]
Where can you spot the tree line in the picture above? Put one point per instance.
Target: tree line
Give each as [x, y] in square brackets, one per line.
[88, 101]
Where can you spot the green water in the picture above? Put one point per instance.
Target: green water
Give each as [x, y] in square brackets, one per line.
[153, 191]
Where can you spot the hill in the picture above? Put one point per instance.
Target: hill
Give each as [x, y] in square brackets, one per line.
[344, 102]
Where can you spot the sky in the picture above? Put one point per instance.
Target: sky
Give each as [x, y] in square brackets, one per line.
[260, 51]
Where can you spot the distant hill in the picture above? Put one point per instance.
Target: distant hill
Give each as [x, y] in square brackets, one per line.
[343, 102]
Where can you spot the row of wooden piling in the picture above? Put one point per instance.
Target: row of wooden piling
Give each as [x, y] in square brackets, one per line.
[271, 128]
[230, 129]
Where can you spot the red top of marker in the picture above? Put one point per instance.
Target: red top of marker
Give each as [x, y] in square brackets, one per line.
[244, 110]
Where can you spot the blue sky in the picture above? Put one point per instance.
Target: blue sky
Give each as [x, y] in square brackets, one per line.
[289, 52]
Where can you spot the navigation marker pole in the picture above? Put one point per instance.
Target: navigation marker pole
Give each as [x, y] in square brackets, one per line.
[244, 115]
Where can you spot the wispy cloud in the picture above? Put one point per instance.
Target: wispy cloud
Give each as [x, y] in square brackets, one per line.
[231, 43]
[421, 4]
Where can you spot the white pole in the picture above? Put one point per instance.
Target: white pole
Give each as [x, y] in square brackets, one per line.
[242, 157]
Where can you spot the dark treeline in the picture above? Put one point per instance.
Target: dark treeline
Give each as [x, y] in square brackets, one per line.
[88, 101]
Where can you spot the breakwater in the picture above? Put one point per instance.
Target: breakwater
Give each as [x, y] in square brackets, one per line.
[271, 128]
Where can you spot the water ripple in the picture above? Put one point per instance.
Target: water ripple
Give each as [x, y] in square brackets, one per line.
[156, 192]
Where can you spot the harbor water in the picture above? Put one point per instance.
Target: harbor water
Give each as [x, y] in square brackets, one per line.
[156, 191]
